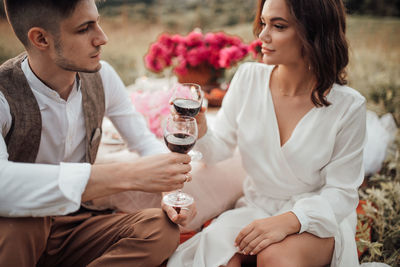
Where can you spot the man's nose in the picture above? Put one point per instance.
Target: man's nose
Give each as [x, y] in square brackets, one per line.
[101, 38]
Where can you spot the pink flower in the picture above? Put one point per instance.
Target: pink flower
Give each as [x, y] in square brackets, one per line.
[181, 68]
[154, 106]
[255, 48]
[194, 39]
[196, 56]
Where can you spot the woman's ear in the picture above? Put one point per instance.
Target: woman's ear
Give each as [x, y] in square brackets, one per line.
[39, 38]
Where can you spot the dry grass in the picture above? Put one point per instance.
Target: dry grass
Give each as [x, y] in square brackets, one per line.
[9, 44]
[374, 62]
[375, 53]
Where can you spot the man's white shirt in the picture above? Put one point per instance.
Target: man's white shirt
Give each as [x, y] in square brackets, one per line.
[55, 183]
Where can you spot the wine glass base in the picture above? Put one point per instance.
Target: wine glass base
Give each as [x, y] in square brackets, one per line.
[195, 155]
[178, 199]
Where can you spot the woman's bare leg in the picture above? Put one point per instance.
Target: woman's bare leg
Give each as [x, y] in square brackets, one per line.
[235, 261]
[298, 250]
[238, 259]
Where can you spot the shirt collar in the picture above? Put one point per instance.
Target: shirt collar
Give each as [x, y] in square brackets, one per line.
[36, 84]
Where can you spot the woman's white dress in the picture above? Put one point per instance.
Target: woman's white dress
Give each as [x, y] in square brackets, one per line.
[315, 174]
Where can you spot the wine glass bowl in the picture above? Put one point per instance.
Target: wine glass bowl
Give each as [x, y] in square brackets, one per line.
[187, 98]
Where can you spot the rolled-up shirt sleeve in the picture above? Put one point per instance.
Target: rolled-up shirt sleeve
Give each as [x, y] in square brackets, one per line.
[322, 213]
[37, 190]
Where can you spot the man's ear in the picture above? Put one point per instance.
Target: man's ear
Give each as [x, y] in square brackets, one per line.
[39, 38]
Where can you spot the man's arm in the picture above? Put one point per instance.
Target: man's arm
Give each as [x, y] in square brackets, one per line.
[129, 122]
[36, 190]
[158, 173]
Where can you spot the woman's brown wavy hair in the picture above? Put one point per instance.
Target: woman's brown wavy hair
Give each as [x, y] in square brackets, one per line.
[321, 26]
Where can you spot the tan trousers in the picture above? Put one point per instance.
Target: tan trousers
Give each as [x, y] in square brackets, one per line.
[86, 238]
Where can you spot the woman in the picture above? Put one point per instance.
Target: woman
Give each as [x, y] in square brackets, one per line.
[300, 132]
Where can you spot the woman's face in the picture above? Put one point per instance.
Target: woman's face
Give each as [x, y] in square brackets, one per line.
[280, 42]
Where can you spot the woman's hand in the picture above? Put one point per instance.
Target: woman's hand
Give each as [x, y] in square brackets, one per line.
[201, 122]
[261, 233]
[183, 217]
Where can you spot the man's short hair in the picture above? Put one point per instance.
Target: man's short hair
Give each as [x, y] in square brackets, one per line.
[46, 14]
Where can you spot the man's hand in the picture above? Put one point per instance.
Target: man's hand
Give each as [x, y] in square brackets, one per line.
[184, 216]
[158, 173]
[161, 173]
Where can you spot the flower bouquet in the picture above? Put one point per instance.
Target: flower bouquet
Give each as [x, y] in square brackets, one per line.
[213, 51]
[197, 58]
[155, 107]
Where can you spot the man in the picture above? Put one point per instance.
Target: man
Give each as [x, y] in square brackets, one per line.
[52, 102]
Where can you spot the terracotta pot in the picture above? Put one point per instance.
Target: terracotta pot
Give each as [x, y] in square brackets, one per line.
[204, 75]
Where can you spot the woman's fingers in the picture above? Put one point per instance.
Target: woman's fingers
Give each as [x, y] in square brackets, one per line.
[247, 240]
[171, 212]
[245, 231]
[181, 216]
[260, 246]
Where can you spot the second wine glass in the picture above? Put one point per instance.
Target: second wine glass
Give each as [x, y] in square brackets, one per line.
[187, 99]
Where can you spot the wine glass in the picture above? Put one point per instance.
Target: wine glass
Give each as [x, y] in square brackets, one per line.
[180, 135]
[187, 99]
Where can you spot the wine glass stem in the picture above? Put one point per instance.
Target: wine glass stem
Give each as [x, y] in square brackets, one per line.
[179, 194]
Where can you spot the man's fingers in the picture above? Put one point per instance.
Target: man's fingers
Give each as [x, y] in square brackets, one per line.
[188, 177]
[180, 158]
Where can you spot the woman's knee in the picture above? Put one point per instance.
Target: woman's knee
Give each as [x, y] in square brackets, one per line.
[275, 256]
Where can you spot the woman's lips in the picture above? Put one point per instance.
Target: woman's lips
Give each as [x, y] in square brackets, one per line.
[267, 51]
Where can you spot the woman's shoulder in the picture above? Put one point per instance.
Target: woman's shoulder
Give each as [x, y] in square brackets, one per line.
[342, 94]
[251, 74]
[255, 68]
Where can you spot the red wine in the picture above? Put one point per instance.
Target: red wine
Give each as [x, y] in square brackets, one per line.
[180, 142]
[187, 107]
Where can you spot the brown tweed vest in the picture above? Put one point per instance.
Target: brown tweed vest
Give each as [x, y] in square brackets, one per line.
[23, 139]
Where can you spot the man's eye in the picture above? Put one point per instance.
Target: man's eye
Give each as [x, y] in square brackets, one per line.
[83, 30]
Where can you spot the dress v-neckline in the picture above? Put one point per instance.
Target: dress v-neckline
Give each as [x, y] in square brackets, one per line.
[298, 124]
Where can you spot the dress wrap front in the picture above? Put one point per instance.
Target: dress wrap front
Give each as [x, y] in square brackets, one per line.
[315, 174]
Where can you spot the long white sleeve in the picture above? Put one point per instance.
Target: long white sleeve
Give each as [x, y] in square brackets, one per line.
[321, 213]
[129, 122]
[40, 189]
[220, 140]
